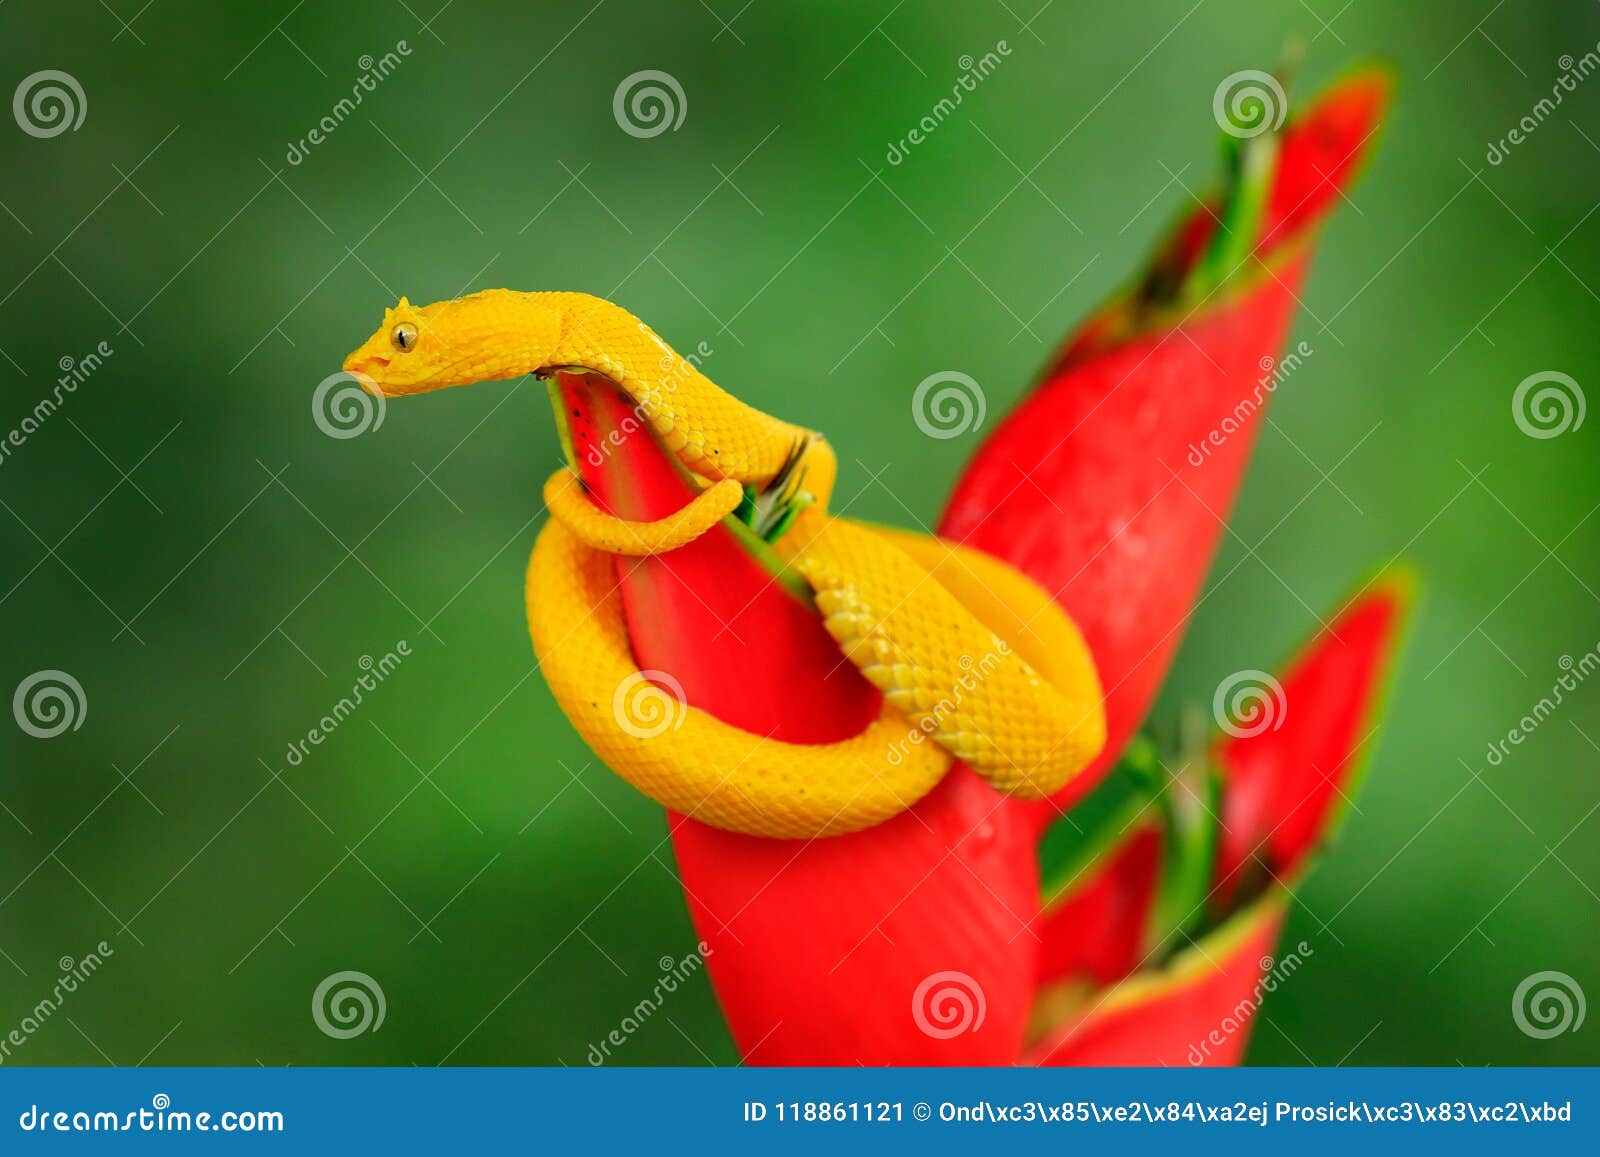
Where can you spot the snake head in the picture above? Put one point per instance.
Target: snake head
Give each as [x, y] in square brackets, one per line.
[482, 337]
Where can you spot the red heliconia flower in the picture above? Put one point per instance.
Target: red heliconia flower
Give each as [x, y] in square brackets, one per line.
[924, 940]
[1285, 780]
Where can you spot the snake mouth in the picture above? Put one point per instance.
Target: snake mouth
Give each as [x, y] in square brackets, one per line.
[365, 371]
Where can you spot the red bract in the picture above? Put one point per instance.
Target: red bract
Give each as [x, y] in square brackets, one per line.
[1092, 928]
[844, 950]
[1110, 484]
[1279, 785]
[1287, 786]
[1169, 1018]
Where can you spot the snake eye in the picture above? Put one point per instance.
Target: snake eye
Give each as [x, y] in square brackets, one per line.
[404, 337]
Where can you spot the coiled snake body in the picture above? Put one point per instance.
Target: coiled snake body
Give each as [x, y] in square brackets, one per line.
[967, 651]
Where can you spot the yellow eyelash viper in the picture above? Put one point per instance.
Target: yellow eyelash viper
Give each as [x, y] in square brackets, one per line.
[966, 650]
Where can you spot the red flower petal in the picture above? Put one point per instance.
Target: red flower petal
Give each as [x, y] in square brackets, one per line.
[1282, 792]
[1197, 1011]
[1095, 931]
[1323, 154]
[1286, 787]
[1108, 441]
[821, 948]
[1111, 483]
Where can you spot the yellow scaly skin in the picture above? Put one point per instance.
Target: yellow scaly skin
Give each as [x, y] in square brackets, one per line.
[968, 652]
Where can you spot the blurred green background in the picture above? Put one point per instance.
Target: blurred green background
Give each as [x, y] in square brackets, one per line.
[183, 539]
